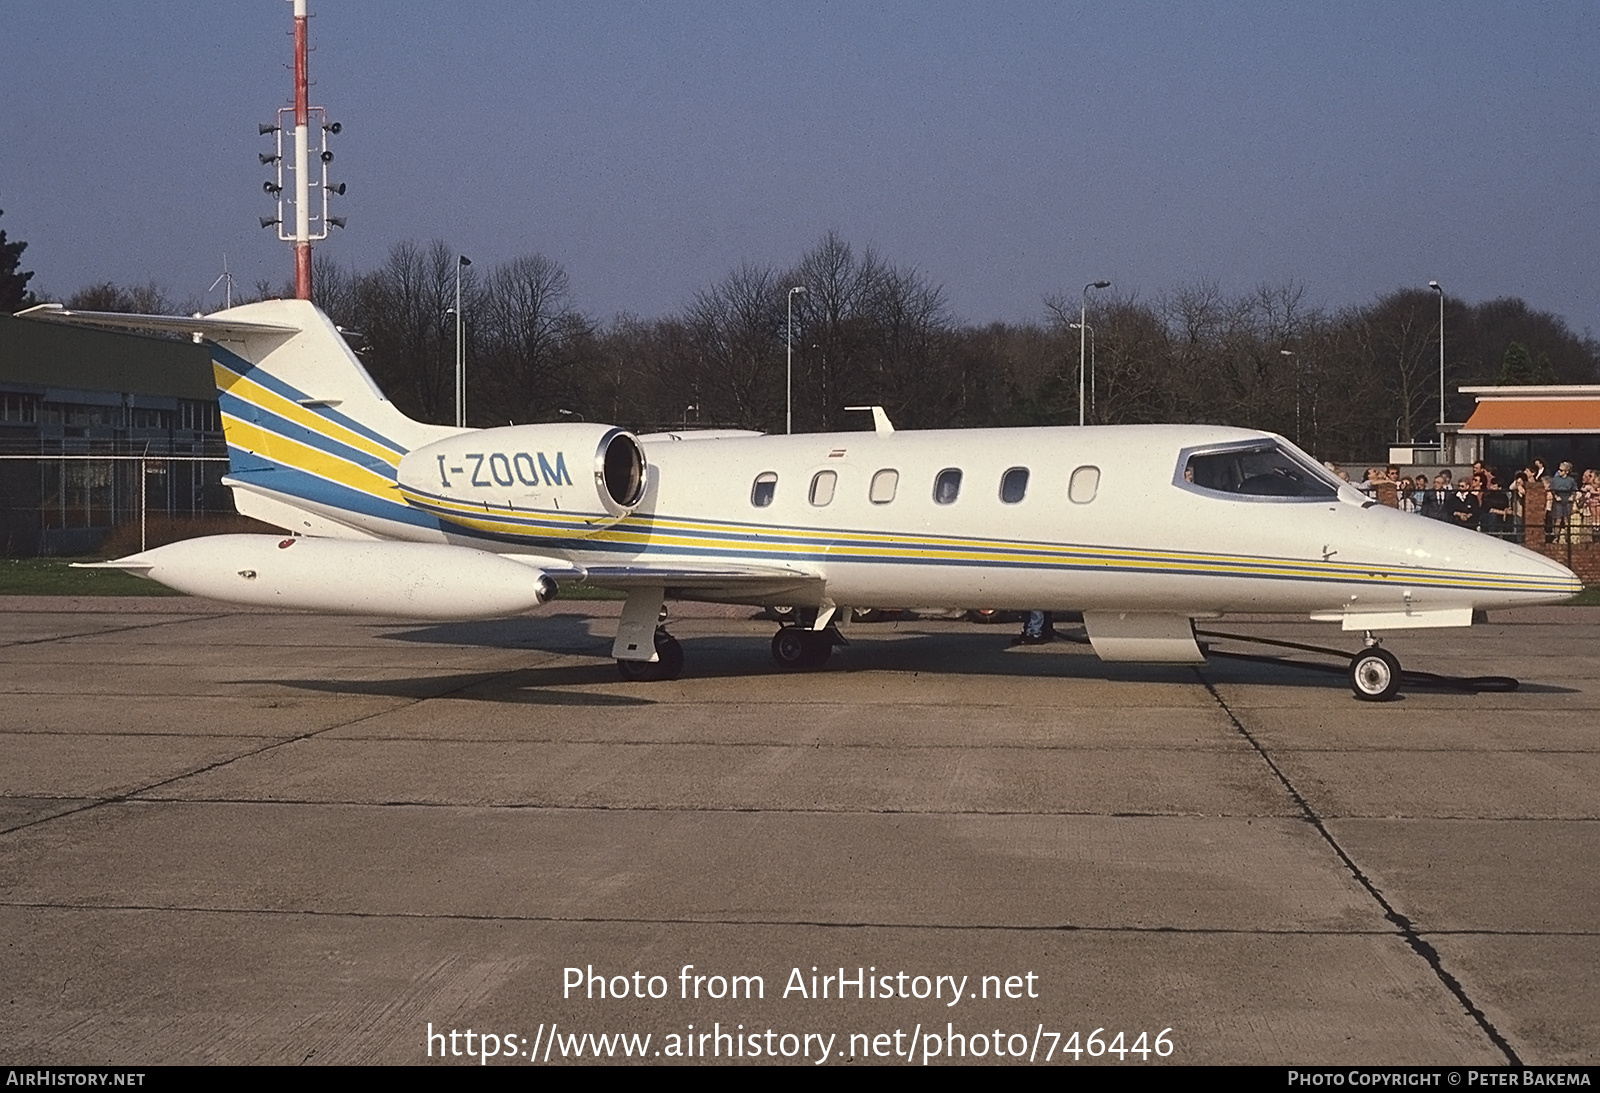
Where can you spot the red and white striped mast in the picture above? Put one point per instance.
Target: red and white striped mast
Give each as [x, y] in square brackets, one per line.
[302, 154]
[309, 224]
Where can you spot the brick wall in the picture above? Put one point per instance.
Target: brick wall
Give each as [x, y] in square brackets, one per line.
[1576, 550]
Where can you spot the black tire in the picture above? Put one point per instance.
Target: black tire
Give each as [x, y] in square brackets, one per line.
[791, 649]
[819, 648]
[1375, 675]
[671, 653]
[637, 671]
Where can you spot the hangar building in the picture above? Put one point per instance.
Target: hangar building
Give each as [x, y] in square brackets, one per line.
[84, 416]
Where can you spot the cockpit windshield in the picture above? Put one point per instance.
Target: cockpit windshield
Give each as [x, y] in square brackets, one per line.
[1263, 470]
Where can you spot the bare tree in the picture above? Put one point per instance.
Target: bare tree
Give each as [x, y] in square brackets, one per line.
[737, 325]
[831, 318]
[528, 331]
[403, 309]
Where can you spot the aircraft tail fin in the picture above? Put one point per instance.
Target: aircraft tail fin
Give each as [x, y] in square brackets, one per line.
[313, 444]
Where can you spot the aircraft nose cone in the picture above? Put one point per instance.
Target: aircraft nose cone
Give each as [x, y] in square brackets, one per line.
[1544, 576]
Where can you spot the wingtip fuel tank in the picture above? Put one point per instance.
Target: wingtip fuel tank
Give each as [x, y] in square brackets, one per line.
[343, 576]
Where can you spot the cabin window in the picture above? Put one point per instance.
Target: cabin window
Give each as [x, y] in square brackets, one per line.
[765, 489]
[884, 483]
[947, 487]
[1014, 485]
[1259, 470]
[822, 487]
[1083, 485]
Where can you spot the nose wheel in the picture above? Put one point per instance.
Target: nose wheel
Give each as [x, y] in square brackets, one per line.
[667, 665]
[1375, 674]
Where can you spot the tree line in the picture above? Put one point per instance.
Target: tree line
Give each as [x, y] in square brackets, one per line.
[1345, 382]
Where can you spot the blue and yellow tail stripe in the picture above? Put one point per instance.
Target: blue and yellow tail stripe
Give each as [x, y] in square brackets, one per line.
[247, 391]
[278, 388]
[308, 452]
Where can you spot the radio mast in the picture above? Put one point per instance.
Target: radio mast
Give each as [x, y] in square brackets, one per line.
[310, 224]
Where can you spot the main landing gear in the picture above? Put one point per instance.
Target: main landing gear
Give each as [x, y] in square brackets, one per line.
[795, 648]
[667, 665]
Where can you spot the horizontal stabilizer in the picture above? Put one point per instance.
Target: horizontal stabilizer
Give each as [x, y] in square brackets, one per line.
[189, 325]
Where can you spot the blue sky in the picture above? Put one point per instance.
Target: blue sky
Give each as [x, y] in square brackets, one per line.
[1006, 151]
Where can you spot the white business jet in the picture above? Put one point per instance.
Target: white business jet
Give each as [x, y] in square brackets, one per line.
[1142, 528]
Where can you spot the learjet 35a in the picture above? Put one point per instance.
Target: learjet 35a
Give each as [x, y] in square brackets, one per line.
[1142, 528]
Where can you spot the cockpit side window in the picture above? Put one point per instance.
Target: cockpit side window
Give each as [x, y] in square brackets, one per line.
[1264, 470]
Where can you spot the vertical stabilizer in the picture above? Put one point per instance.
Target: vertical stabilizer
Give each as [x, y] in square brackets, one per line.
[313, 444]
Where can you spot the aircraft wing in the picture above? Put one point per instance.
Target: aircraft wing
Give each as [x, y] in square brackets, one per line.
[748, 583]
[215, 329]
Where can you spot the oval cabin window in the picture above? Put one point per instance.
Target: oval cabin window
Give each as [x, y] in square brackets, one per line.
[765, 489]
[822, 487]
[1085, 483]
[1014, 486]
[884, 483]
[947, 487]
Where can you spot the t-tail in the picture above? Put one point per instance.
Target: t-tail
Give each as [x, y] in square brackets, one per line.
[313, 445]
[315, 448]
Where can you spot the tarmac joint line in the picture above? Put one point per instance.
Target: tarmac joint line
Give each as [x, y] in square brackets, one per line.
[135, 794]
[1407, 930]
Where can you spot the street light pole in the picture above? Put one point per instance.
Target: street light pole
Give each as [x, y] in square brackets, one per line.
[462, 261]
[1295, 357]
[1083, 320]
[1090, 328]
[1435, 286]
[788, 385]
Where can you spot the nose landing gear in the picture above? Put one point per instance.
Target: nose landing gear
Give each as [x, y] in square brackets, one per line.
[1374, 673]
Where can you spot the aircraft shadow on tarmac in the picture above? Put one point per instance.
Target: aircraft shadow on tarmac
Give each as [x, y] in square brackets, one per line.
[953, 651]
[519, 686]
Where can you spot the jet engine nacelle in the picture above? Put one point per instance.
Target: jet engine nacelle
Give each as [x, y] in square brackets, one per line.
[590, 476]
[347, 576]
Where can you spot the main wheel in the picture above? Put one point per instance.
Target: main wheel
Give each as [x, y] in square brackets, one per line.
[667, 665]
[819, 648]
[671, 654]
[1375, 675]
[794, 649]
[638, 671]
[790, 647]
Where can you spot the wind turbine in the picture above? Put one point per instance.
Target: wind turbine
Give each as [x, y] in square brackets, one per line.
[225, 279]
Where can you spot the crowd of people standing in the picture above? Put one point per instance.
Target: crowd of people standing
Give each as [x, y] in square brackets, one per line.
[1568, 505]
